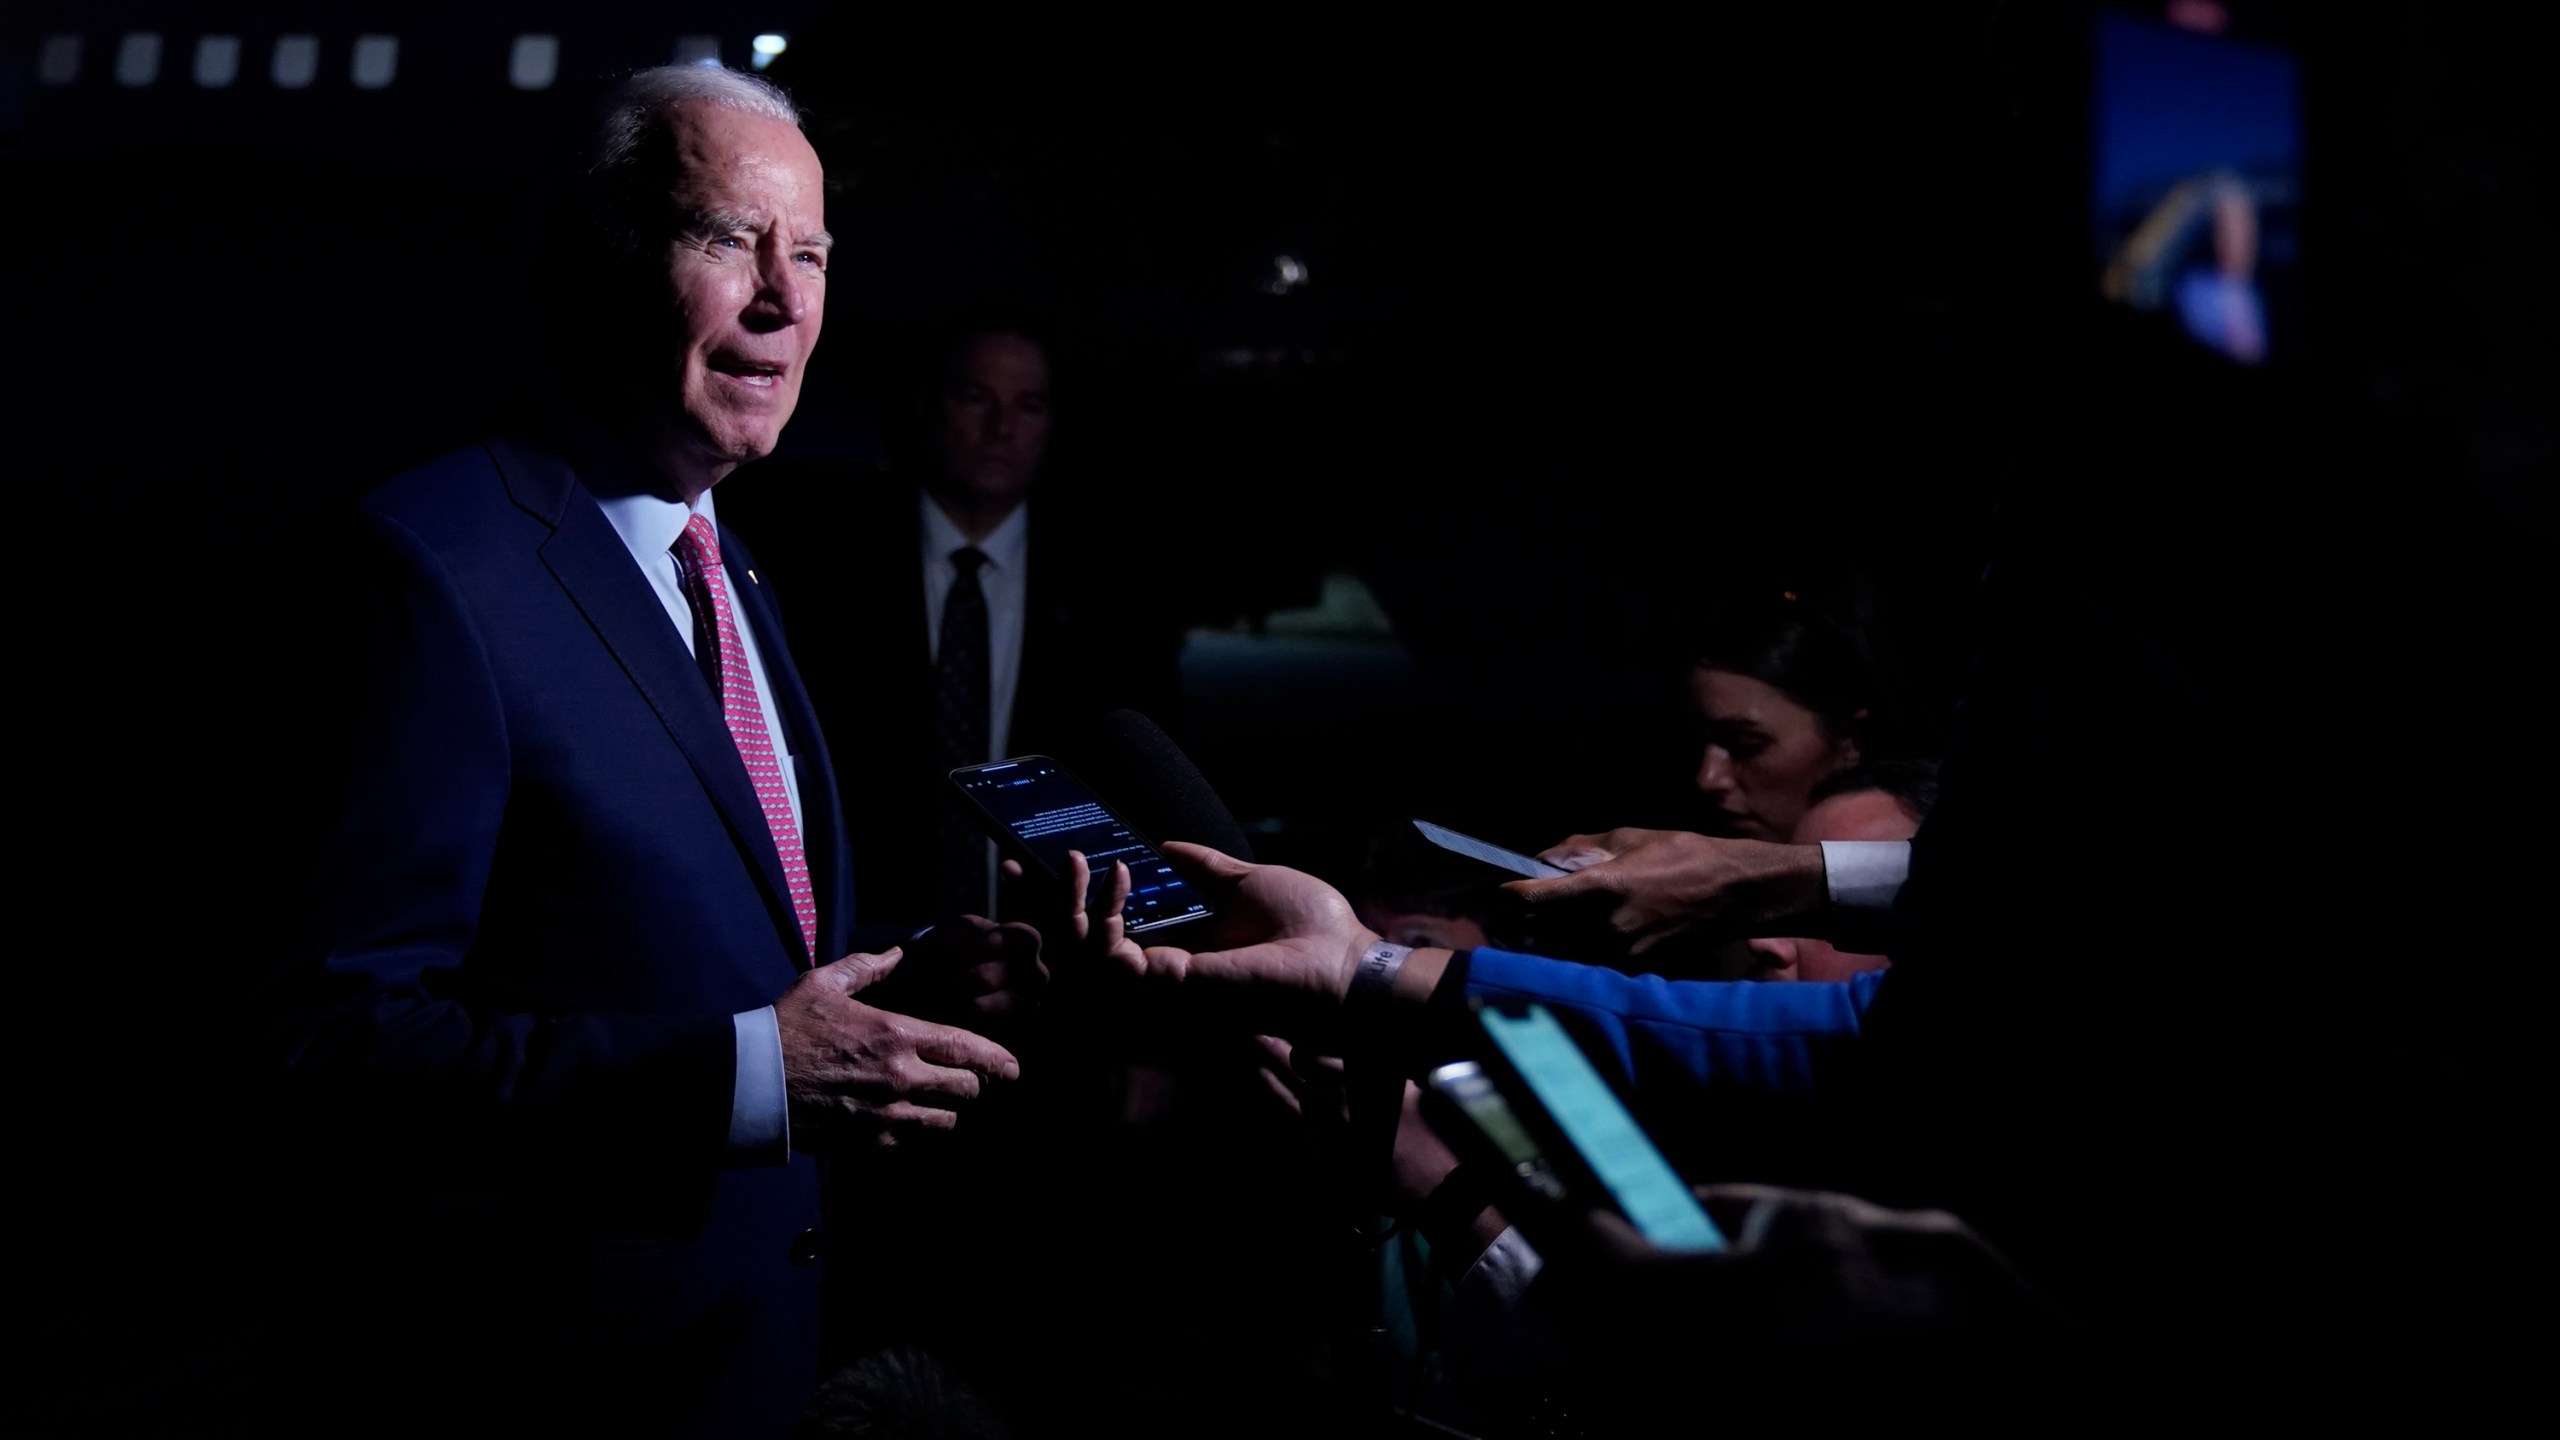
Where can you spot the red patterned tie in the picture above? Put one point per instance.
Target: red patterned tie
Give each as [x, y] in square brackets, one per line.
[698, 552]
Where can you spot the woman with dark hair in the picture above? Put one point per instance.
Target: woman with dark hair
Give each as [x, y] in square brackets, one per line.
[1788, 697]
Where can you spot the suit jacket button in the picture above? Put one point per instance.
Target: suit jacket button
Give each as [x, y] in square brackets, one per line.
[807, 1246]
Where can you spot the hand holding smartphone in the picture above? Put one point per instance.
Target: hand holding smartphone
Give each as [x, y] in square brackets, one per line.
[1535, 1106]
[1038, 811]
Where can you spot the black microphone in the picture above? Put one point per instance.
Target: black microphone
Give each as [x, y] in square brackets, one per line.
[1155, 786]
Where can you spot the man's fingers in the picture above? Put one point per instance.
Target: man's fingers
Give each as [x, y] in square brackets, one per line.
[940, 1087]
[1556, 887]
[890, 1124]
[859, 970]
[948, 1046]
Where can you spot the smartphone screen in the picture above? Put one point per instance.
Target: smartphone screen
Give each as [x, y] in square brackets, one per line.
[1643, 1185]
[1049, 812]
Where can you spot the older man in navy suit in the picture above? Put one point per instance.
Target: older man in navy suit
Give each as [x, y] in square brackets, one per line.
[578, 1025]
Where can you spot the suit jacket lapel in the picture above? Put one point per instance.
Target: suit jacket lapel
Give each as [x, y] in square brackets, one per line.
[594, 567]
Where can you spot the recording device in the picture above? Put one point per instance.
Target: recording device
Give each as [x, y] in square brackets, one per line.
[1491, 854]
[1536, 1107]
[1038, 811]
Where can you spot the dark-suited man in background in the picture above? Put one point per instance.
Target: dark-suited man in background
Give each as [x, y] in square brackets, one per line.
[920, 667]
[574, 1031]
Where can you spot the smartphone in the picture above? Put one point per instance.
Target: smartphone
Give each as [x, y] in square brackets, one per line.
[1038, 811]
[1537, 1105]
[1494, 855]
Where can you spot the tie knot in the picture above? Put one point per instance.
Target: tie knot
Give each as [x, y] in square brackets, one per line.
[699, 545]
[967, 559]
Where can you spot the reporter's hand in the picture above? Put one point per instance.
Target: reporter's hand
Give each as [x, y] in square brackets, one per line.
[1802, 1269]
[1276, 1064]
[1288, 943]
[1667, 882]
[854, 1074]
[1095, 928]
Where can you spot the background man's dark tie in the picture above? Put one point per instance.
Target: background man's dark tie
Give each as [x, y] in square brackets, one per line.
[960, 723]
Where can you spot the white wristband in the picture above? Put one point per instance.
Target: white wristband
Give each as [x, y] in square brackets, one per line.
[1377, 973]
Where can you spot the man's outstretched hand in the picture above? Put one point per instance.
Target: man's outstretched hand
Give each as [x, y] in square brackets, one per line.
[854, 1074]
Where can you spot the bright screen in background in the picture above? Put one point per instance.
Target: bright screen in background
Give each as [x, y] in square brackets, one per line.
[2196, 181]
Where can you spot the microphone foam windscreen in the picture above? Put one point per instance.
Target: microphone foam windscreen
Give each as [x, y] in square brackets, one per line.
[1135, 766]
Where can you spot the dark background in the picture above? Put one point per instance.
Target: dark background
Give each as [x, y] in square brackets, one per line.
[1600, 315]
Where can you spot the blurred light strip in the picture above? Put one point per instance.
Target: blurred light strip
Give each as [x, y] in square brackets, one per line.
[534, 62]
[376, 62]
[138, 59]
[297, 61]
[217, 60]
[58, 63]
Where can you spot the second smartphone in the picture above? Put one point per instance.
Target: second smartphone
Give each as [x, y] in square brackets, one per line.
[1534, 1105]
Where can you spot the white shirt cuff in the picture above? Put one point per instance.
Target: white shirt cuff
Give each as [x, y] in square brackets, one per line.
[759, 1115]
[1487, 1294]
[1865, 874]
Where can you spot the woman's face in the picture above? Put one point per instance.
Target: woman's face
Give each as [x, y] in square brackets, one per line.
[1765, 752]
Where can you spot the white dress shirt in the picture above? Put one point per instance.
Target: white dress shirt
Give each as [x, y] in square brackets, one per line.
[759, 1112]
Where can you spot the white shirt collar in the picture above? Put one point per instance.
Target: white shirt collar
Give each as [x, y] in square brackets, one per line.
[1005, 547]
[650, 525]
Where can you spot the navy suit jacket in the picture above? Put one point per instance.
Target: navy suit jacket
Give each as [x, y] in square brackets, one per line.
[551, 889]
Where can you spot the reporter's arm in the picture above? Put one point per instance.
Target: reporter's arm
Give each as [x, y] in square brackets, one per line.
[1667, 882]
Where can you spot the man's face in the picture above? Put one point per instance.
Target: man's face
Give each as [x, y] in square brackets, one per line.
[1859, 815]
[747, 269]
[993, 422]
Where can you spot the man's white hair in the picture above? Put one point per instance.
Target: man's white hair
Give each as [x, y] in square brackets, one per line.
[645, 97]
[631, 137]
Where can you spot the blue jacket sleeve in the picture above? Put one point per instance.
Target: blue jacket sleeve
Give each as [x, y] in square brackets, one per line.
[1772, 1039]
